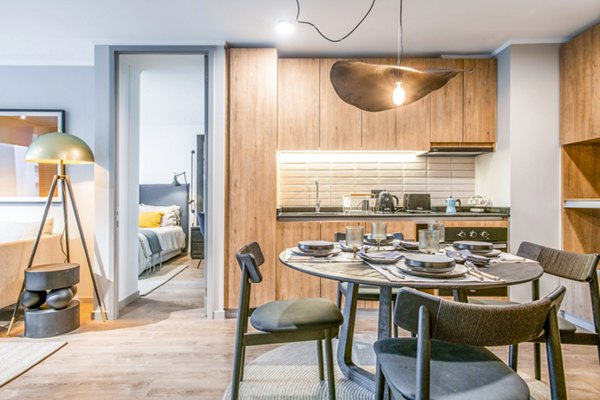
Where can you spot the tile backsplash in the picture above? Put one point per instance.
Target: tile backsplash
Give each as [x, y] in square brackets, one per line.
[439, 176]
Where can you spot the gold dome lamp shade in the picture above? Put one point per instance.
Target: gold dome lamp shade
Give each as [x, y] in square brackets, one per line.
[59, 148]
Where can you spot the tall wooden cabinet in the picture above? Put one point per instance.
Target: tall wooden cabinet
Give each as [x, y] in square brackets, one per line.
[447, 105]
[479, 100]
[251, 174]
[580, 136]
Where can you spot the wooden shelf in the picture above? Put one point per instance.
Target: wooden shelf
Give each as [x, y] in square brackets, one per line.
[582, 203]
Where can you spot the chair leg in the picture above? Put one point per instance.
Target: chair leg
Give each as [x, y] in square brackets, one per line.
[243, 363]
[380, 384]
[320, 359]
[338, 299]
[329, 361]
[537, 364]
[237, 370]
[513, 356]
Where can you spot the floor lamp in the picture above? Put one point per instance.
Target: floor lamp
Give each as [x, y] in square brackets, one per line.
[60, 148]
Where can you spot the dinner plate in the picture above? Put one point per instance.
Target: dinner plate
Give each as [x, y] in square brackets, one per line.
[315, 246]
[457, 272]
[429, 263]
[345, 247]
[299, 252]
[473, 246]
[381, 257]
[384, 242]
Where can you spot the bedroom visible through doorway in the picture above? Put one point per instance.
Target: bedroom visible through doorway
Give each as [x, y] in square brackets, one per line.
[161, 134]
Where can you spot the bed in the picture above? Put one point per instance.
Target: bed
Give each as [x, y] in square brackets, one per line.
[171, 236]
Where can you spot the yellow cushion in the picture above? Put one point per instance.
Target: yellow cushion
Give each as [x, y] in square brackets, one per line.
[150, 219]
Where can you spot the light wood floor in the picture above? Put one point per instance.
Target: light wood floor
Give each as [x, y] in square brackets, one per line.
[164, 348]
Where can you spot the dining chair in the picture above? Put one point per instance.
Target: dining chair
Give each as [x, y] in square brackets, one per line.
[365, 292]
[567, 265]
[448, 358]
[283, 321]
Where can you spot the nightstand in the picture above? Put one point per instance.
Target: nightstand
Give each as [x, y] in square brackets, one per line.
[196, 243]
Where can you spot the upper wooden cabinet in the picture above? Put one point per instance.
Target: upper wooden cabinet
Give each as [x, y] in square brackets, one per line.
[579, 88]
[413, 121]
[339, 121]
[379, 128]
[298, 104]
[479, 100]
[447, 105]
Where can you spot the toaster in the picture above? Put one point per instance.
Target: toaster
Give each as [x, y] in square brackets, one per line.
[417, 202]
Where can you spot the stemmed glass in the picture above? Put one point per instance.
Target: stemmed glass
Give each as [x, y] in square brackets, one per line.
[379, 232]
[355, 236]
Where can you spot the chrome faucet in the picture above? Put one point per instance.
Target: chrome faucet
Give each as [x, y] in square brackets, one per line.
[318, 203]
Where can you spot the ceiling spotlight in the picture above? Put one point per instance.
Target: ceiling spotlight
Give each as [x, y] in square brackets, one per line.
[284, 28]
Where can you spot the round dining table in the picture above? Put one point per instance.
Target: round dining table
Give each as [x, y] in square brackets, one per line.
[356, 272]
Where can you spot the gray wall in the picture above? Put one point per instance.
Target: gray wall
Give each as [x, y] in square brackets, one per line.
[70, 88]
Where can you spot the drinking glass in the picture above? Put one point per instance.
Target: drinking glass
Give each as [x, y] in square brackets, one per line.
[438, 226]
[379, 232]
[355, 236]
[429, 241]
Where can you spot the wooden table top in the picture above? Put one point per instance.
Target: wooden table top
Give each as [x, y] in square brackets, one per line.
[511, 273]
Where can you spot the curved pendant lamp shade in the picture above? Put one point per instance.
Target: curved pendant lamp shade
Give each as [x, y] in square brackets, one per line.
[370, 86]
[52, 148]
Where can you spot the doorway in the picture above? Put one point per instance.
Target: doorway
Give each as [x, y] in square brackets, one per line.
[161, 126]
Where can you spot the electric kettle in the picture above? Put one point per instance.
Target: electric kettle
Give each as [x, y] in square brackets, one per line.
[451, 204]
[386, 202]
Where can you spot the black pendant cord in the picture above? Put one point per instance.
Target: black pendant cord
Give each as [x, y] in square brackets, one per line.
[322, 34]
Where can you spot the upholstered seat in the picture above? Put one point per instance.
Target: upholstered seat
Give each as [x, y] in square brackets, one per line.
[458, 372]
[300, 314]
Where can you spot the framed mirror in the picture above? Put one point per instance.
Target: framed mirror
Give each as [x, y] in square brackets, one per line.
[22, 181]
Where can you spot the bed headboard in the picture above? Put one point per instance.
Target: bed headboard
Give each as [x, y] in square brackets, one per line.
[160, 194]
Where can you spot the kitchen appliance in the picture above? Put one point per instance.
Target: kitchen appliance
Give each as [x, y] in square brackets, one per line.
[459, 151]
[417, 202]
[386, 202]
[497, 236]
[451, 204]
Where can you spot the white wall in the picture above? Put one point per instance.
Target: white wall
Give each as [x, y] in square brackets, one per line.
[171, 113]
[57, 87]
[528, 156]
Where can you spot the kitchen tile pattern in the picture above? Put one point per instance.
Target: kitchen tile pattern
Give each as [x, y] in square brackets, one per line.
[439, 176]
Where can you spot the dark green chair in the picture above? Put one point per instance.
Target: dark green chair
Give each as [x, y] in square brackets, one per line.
[566, 265]
[448, 360]
[281, 321]
[365, 292]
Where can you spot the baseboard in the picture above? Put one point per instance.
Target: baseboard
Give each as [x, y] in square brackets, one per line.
[221, 314]
[132, 297]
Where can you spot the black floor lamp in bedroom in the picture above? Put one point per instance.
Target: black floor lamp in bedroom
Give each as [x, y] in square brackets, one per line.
[60, 148]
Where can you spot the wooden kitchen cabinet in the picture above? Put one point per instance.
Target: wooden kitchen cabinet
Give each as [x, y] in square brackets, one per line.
[292, 284]
[479, 103]
[379, 128]
[579, 83]
[447, 105]
[251, 167]
[298, 104]
[340, 122]
[413, 121]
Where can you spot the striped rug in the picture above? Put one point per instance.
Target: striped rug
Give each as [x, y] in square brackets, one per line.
[17, 357]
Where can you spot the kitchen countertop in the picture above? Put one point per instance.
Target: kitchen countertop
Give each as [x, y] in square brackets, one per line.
[332, 214]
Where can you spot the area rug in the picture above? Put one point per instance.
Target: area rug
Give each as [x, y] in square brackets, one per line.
[147, 284]
[17, 358]
[290, 372]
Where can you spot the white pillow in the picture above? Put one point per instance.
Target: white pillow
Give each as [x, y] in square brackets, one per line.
[171, 216]
[19, 230]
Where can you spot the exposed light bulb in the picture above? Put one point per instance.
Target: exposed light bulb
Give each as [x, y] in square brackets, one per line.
[23, 117]
[399, 95]
[284, 28]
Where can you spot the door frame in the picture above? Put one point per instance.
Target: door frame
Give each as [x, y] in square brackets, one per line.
[106, 243]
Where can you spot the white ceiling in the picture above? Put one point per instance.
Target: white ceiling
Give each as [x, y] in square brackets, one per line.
[64, 31]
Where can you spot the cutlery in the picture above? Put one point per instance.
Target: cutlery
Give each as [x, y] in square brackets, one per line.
[472, 268]
[392, 269]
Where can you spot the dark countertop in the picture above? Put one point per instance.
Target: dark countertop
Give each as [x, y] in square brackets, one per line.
[331, 214]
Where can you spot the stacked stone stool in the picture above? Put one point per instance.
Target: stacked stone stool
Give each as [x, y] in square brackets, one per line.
[50, 309]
